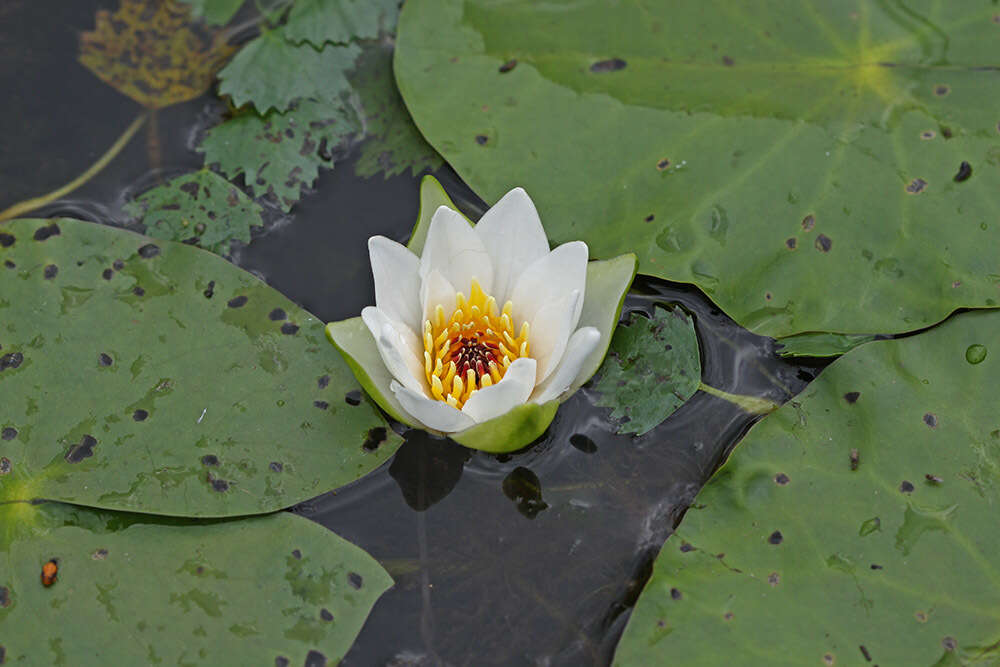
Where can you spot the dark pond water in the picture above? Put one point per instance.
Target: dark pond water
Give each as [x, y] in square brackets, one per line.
[523, 559]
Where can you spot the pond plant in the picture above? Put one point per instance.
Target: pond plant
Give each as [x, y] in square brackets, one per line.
[732, 404]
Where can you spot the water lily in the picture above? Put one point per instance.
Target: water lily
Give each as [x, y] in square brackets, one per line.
[478, 332]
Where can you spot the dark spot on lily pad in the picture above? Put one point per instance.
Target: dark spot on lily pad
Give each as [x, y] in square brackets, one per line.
[210, 290]
[376, 437]
[4, 466]
[47, 232]
[663, 164]
[808, 222]
[149, 250]
[876, 566]
[774, 579]
[650, 217]
[322, 405]
[916, 186]
[4, 597]
[277, 315]
[931, 420]
[323, 381]
[237, 301]
[117, 265]
[107, 273]
[855, 458]
[949, 643]
[927, 135]
[138, 291]
[276, 466]
[210, 460]
[99, 554]
[281, 661]
[865, 653]
[852, 396]
[823, 243]
[6, 240]
[727, 61]
[481, 139]
[50, 271]
[8, 433]
[775, 538]
[9, 264]
[791, 243]
[906, 487]
[933, 479]
[353, 397]
[11, 360]
[583, 443]
[289, 329]
[219, 485]
[315, 659]
[296, 554]
[140, 415]
[325, 615]
[104, 359]
[355, 580]
[941, 90]
[508, 66]
[964, 171]
[946, 132]
[675, 594]
[610, 65]
[781, 479]
[685, 547]
[81, 451]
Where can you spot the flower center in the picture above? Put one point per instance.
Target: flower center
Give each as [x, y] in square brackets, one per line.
[472, 348]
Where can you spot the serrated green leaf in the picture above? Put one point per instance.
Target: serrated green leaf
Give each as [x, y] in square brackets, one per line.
[340, 21]
[134, 589]
[145, 375]
[393, 143]
[272, 73]
[795, 160]
[214, 12]
[200, 208]
[860, 514]
[652, 368]
[279, 153]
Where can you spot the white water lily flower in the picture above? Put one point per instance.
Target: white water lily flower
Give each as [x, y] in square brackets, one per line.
[485, 326]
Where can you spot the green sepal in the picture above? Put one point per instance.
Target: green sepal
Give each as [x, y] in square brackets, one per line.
[511, 431]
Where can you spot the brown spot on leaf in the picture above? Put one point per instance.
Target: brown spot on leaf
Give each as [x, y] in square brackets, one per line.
[809, 222]
[931, 420]
[81, 451]
[481, 139]
[927, 135]
[941, 90]
[774, 579]
[781, 479]
[916, 186]
[791, 243]
[776, 537]
[610, 65]
[508, 66]
[855, 458]
[852, 396]
[823, 243]
[727, 61]
[906, 487]
[663, 164]
[964, 171]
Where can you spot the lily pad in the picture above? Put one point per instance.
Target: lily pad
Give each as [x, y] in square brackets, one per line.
[279, 153]
[339, 21]
[838, 204]
[149, 51]
[272, 73]
[132, 590]
[393, 143]
[152, 376]
[652, 368]
[200, 209]
[822, 344]
[857, 523]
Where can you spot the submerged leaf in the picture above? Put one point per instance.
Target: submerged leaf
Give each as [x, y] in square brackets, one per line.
[272, 73]
[801, 163]
[151, 376]
[214, 12]
[200, 209]
[652, 368]
[271, 589]
[340, 21]
[279, 153]
[821, 344]
[149, 51]
[856, 521]
[393, 143]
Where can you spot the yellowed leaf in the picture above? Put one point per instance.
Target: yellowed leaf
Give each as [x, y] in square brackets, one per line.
[151, 51]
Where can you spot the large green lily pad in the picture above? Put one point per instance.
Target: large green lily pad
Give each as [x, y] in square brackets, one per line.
[152, 376]
[799, 161]
[858, 521]
[133, 590]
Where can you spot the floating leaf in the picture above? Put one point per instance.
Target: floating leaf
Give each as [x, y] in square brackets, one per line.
[151, 376]
[652, 368]
[800, 163]
[214, 12]
[393, 143]
[821, 344]
[857, 522]
[272, 73]
[279, 153]
[149, 51]
[132, 589]
[199, 208]
[340, 21]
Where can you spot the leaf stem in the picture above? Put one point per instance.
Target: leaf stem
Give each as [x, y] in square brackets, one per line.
[751, 404]
[37, 202]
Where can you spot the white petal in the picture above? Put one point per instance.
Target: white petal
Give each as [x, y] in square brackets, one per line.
[436, 291]
[580, 345]
[511, 391]
[397, 281]
[437, 415]
[550, 331]
[550, 278]
[399, 347]
[454, 249]
[512, 233]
